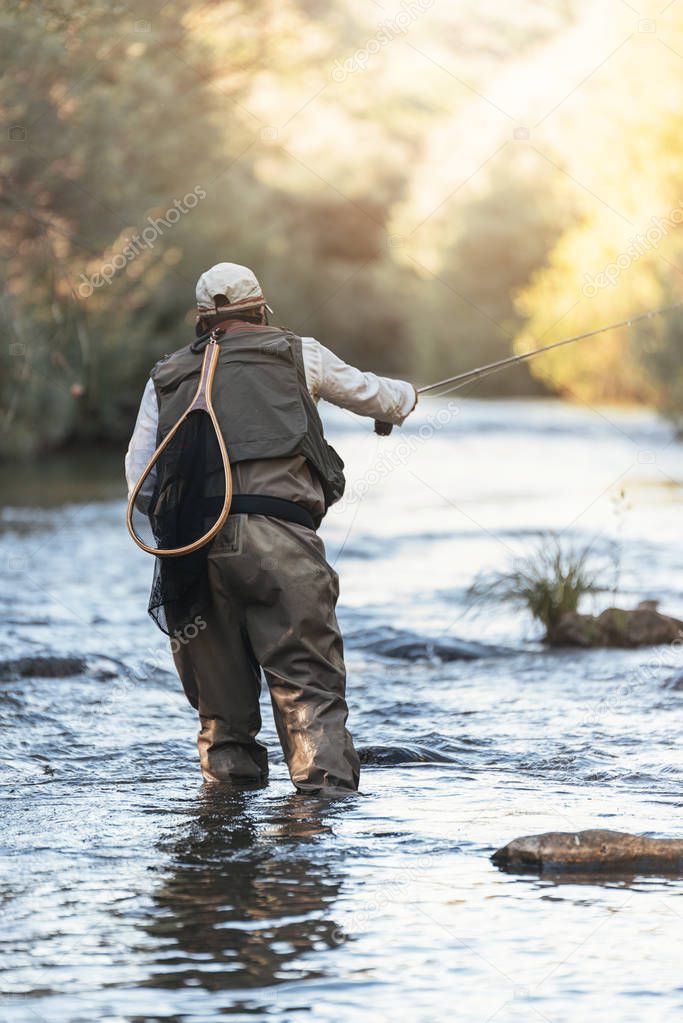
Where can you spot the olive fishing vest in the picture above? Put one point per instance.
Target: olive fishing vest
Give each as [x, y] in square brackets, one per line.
[260, 398]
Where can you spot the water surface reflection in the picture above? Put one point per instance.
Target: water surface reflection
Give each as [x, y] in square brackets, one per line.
[246, 898]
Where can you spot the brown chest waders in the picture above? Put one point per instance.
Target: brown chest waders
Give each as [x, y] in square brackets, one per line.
[254, 593]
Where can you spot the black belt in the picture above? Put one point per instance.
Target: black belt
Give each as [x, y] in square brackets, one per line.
[262, 504]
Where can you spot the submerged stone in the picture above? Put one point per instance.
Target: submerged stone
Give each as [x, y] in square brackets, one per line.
[594, 851]
[615, 627]
[394, 756]
[42, 667]
[400, 644]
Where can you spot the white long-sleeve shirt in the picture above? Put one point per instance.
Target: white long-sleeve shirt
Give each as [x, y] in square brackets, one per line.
[327, 377]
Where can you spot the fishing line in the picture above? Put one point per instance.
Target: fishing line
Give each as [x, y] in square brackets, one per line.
[454, 383]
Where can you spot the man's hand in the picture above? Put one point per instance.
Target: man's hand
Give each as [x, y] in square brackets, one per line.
[384, 429]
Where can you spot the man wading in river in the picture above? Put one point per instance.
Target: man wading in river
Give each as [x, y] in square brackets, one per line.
[271, 594]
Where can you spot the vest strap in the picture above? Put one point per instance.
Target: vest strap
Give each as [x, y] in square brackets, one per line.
[263, 504]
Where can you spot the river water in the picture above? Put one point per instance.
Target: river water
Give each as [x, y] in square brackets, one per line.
[133, 892]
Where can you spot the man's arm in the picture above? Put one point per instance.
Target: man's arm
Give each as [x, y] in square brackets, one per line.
[142, 446]
[367, 394]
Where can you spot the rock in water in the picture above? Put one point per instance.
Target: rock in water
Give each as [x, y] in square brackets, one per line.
[395, 756]
[615, 627]
[400, 644]
[591, 852]
[42, 667]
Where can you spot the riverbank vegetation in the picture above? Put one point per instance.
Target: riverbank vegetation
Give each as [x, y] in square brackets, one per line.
[549, 581]
[555, 578]
[422, 191]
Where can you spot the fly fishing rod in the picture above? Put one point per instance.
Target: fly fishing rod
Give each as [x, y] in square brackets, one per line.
[454, 383]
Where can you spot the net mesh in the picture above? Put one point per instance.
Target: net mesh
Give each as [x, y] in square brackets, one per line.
[187, 498]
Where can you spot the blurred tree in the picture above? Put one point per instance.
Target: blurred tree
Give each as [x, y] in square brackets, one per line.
[101, 138]
[491, 245]
[624, 252]
[295, 130]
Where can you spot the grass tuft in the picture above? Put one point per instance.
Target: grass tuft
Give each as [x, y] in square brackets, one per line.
[549, 581]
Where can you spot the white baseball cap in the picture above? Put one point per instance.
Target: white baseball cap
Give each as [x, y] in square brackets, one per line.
[238, 283]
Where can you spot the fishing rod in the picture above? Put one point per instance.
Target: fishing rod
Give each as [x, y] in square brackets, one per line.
[492, 367]
[454, 383]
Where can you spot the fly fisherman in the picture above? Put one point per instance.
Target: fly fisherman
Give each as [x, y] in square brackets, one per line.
[271, 593]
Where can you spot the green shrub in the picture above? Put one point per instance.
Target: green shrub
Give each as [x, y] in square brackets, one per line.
[549, 581]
